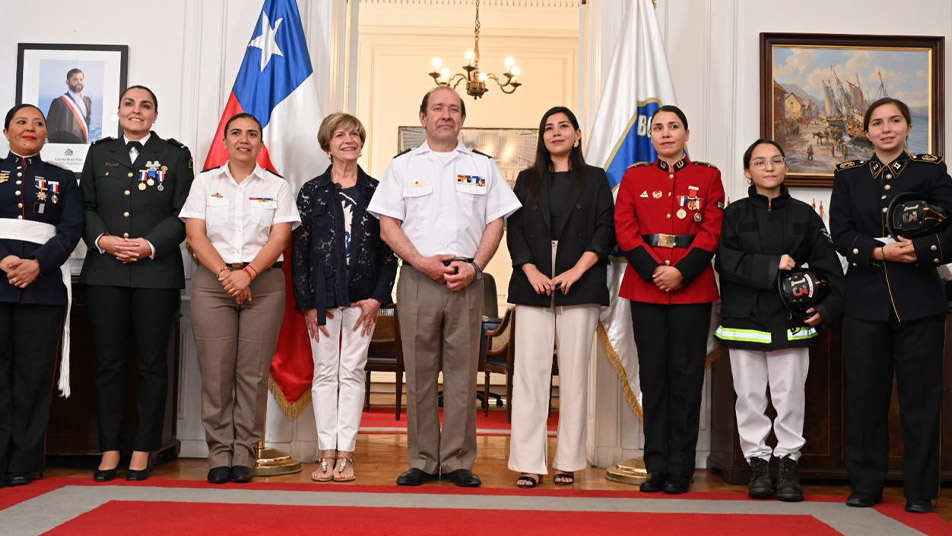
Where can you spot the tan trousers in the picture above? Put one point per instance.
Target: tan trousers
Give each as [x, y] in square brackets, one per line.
[235, 346]
[439, 327]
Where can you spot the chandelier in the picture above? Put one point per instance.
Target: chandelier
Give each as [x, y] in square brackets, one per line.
[475, 80]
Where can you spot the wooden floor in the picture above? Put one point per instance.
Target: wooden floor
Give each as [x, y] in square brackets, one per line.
[381, 457]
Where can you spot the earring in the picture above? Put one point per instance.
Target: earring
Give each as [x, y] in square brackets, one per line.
[575, 144]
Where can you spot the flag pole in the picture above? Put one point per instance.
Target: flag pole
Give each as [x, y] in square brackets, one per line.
[272, 462]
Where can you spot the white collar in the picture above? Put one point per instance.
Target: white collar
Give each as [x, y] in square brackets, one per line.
[258, 172]
[142, 141]
[425, 148]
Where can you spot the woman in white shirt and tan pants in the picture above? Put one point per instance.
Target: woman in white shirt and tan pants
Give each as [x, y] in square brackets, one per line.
[238, 220]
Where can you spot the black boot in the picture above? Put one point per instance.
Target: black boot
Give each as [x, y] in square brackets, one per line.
[788, 483]
[761, 485]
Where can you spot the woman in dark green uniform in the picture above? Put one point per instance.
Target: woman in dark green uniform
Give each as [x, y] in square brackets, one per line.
[133, 189]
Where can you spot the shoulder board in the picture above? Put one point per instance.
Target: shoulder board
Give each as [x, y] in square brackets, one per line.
[403, 152]
[275, 174]
[484, 154]
[103, 140]
[708, 164]
[176, 143]
[926, 157]
[639, 164]
[849, 164]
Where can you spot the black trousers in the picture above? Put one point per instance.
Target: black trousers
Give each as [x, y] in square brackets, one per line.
[29, 344]
[118, 316]
[872, 352]
[672, 347]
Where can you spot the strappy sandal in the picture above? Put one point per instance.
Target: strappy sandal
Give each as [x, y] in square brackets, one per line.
[528, 481]
[344, 463]
[326, 470]
[564, 479]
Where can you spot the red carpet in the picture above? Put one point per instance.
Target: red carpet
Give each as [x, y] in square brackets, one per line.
[176, 507]
[162, 518]
[382, 421]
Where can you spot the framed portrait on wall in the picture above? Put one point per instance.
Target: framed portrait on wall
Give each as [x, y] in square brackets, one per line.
[513, 149]
[77, 87]
[815, 88]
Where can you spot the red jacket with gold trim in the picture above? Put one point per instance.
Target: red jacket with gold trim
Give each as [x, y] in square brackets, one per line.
[684, 199]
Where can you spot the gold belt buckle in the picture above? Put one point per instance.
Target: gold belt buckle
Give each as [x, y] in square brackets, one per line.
[237, 265]
[666, 240]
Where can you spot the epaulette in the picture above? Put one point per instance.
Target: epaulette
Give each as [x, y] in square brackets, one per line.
[708, 164]
[403, 152]
[849, 164]
[639, 164]
[926, 157]
[482, 153]
[101, 140]
[176, 143]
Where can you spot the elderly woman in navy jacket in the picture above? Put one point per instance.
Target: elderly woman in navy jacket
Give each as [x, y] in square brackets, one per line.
[41, 220]
[559, 242]
[342, 273]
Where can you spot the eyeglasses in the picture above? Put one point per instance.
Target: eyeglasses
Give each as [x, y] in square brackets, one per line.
[761, 163]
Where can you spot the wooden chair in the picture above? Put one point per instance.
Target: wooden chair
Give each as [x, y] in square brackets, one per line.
[386, 353]
[498, 358]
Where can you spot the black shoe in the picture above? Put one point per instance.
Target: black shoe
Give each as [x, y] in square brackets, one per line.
[4, 480]
[19, 479]
[138, 475]
[919, 506]
[863, 500]
[676, 486]
[105, 475]
[761, 486]
[415, 477]
[654, 484]
[219, 475]
[463, 478]
[241, 474]
[788, 483]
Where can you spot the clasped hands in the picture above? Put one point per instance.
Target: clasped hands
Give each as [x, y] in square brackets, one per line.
[125, 249]
[457, 275]
[902, 250]
[237, 283]
[544, 285]
[787, 263]
[20, 272]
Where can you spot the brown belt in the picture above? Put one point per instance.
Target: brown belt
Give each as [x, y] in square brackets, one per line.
[668, 240]
[240, 265]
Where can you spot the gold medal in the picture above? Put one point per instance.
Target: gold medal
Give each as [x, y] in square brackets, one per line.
[682, 214]
[150, 182]
[142, 186]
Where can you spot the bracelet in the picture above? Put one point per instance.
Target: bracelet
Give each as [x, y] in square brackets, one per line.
[218, 273]
[250, 270]
[882, 252]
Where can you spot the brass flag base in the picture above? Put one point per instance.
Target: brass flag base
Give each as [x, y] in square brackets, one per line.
[628, 472]
[272, 462]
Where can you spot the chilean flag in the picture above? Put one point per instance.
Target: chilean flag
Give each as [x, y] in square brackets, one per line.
[276, 84]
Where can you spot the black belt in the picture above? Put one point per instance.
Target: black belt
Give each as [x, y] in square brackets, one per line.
[240, 265]
[447, 263]
[668, 240]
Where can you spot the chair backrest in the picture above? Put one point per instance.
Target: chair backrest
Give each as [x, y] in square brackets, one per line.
[490, 299]
[385, 344]
[502, 339]
[386, 328]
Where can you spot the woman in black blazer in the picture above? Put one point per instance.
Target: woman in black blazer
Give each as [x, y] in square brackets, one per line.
[559, 242]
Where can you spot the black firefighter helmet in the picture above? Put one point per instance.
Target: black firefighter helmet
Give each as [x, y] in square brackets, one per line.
[909, 215]
[800, 290]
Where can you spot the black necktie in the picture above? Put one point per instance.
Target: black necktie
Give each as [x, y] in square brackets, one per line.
[134, 145]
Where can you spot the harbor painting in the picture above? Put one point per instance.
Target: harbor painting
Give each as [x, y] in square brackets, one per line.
[815, 90]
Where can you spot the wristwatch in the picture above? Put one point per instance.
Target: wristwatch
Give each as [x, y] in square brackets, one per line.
[479, 271]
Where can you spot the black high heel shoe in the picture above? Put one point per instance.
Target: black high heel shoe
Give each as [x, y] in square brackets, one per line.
[105, 475]
[138, 475]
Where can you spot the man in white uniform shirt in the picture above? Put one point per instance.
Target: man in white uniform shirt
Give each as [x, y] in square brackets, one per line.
[441, 208]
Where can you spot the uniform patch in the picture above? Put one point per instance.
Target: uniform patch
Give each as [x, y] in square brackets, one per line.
[849, 164]
[644, 195]
[926, 157]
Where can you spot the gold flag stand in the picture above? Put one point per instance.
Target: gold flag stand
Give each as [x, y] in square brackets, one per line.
[628, 472]
[273, 462]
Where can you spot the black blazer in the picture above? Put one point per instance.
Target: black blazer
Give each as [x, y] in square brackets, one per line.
[115, 205]
[588, 224]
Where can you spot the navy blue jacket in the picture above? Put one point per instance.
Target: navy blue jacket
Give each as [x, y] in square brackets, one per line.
[28, 191]
[319, 273]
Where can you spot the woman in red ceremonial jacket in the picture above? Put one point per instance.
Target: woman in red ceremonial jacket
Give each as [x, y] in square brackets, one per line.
[668, 222]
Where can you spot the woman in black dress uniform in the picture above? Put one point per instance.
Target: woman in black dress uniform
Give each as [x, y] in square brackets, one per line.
[133, 189]
[895, 309]
[41, 219]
